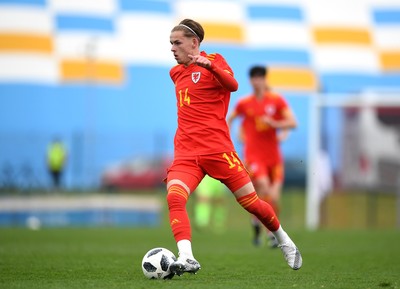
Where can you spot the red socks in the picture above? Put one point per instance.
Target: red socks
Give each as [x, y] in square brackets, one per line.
[261, 209]
[177, 198]
[275, 205]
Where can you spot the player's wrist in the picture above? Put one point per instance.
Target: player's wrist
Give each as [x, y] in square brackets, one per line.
[211, 66]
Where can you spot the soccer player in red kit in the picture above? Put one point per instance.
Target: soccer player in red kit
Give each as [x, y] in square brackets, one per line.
[266, 120]
[202, 145]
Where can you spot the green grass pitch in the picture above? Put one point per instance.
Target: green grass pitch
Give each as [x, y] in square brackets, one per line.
[111, 258]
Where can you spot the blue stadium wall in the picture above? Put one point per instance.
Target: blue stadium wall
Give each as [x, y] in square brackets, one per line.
[96, 73]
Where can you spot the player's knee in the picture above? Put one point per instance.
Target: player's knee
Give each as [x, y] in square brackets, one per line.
[247, 201]
[177, 196]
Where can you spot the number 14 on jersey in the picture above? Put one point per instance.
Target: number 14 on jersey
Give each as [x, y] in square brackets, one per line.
[184, 98]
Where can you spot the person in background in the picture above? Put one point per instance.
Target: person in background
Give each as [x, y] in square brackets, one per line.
[56, 161]
[266, 121]
[210, 207]
[202, 144]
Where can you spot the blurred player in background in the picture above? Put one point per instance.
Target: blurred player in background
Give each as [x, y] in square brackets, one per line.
[202, 145]
[56, 161]
[266, 121]
[210, 208]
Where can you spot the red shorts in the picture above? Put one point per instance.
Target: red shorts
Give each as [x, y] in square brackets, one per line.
[274, 172]
[225, 167]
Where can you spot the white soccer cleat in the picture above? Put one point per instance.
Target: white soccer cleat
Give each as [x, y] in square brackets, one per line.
[272, 242]
[292, 255]
[184, 264]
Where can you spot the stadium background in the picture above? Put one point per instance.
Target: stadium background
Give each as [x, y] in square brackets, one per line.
[95, 72]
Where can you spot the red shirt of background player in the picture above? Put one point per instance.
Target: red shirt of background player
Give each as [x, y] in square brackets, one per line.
[202, 105]
[260, 140]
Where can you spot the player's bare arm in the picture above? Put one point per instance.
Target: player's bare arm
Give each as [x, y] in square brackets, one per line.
[229, 121]
[283, 134]
[231, 118]
[288, 121]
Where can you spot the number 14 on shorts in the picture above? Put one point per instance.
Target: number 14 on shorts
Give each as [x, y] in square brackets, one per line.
[233, 161]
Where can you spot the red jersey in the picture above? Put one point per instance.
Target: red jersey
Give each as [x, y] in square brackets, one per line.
[202, 105]
[260, 140]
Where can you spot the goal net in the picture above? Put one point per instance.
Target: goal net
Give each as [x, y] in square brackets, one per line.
[354, 147]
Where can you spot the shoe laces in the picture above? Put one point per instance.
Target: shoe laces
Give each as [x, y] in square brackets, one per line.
[286, 252]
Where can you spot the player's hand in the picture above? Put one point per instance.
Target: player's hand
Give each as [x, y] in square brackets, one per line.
[269, 121]
[200, 60]
[283, 135]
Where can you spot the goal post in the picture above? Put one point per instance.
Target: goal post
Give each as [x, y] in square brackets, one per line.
[312, 193]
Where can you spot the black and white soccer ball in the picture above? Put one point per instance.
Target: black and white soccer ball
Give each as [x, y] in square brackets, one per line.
[156, 262]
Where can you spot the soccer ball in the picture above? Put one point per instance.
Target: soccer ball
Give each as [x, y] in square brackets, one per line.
[155, 263]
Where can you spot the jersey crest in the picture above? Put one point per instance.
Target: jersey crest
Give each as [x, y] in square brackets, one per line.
[270, 109]
[196, 76]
